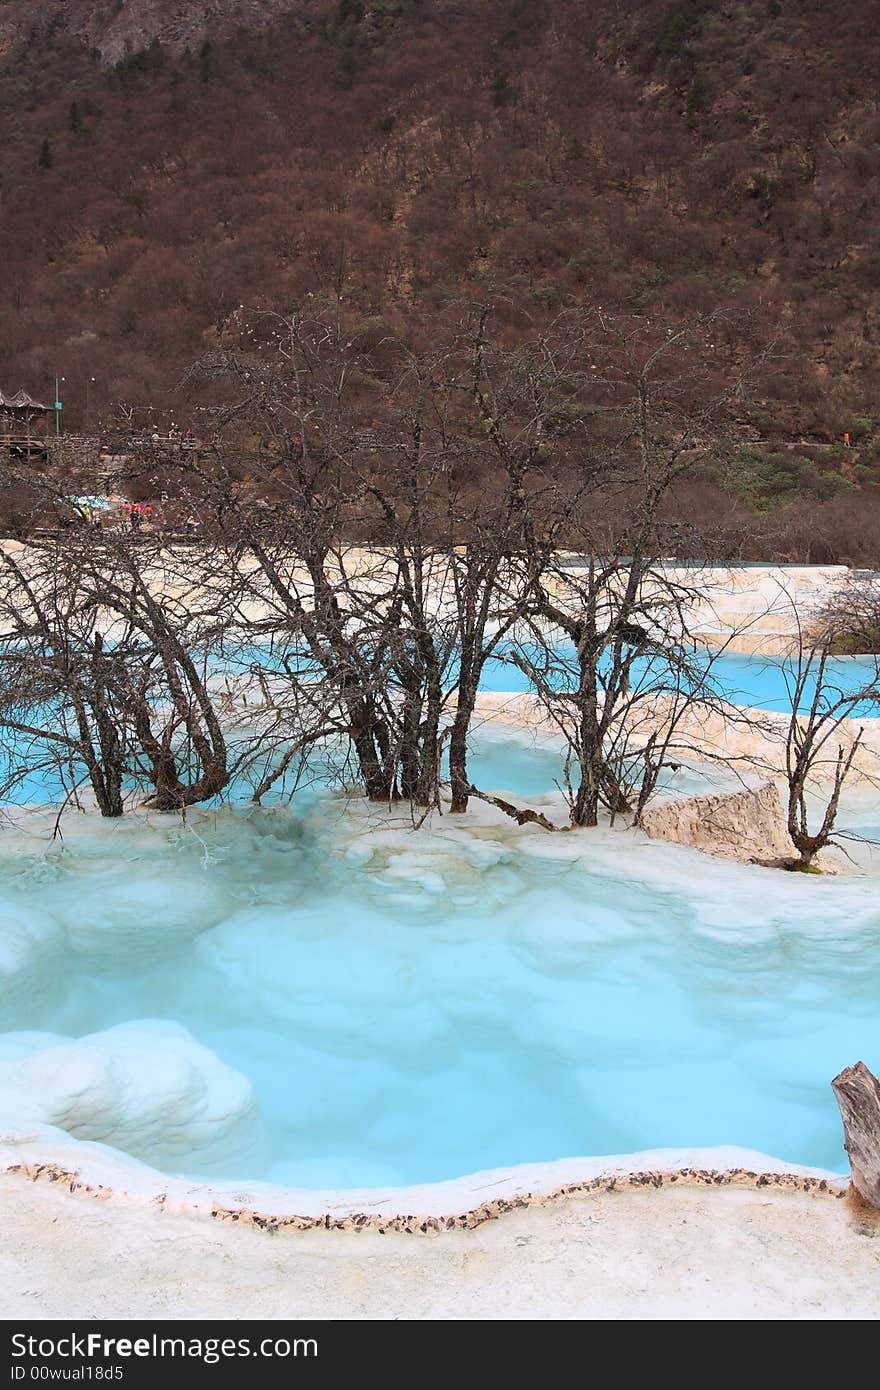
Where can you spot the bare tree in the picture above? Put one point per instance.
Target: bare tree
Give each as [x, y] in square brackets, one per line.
[820, 746]
[850, 620]
[279, 491]
[437, 484]
[616, 690]
[60, 717]
[621, 607]
[472, 460]
[464, 472]
[376, 526]
[106, 668]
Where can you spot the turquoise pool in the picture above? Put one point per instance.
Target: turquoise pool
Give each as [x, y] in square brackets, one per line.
[758, 682]
[271, 995]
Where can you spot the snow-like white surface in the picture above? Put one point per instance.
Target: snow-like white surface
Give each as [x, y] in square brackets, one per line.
[30, 943]
[680, 1252]
[144, 916]
[148, 1086]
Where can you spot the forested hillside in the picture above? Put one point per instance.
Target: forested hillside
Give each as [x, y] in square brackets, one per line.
[163, 164]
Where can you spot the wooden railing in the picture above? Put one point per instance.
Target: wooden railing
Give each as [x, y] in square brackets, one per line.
[72, 445]
[33, 443]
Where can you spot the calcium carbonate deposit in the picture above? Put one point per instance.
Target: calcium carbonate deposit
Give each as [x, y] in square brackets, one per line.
[329, 997]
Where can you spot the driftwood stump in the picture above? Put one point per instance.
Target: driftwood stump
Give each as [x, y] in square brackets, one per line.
[858, 1095]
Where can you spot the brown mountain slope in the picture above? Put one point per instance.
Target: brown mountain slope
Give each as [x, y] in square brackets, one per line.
[115, 28]
[163, 163]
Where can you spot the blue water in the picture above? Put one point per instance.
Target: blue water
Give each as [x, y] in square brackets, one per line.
[759, 682]
[764, 683]
[746, 681]
[418, 1009]
[422, 1007]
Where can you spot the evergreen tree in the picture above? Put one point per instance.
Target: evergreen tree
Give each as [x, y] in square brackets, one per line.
[75, 118]
[45, 159]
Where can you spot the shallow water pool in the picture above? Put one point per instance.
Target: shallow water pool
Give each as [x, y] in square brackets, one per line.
[303, 1001]
[757, 682]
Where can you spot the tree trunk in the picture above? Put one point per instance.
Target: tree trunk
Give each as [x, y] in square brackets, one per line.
[585, 807]
[410, 762]
[109, 742]
[110, 800]
[858, 1095]
[458, 750]
[378, 779]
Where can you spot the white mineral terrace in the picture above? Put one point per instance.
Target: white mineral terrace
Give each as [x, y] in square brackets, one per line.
[676, 1239]
[699, 1233]
[717, 1232]
[749, 608]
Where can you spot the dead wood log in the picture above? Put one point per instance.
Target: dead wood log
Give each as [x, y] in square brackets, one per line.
[858, 1094]
[522, 817]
